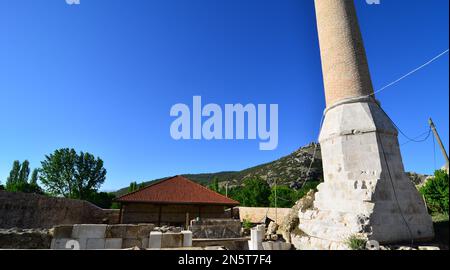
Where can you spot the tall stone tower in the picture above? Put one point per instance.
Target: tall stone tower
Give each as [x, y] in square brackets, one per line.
[366, 191]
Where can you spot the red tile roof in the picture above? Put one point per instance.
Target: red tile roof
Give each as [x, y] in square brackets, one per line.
[177, 189]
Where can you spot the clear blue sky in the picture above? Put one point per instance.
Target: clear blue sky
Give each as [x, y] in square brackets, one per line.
[102, 76]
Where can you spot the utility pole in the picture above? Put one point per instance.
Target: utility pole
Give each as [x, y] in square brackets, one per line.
[226, 189]
[441, 145]
[276, 212]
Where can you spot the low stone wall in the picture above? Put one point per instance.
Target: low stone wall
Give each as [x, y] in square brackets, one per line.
[25, 239]
[122, 236]
[216, 228]
[227, 243]
[24, 210]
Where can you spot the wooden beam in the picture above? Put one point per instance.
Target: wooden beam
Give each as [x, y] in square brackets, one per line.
[159, 215]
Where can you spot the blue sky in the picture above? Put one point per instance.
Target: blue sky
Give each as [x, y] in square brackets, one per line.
[102, 76]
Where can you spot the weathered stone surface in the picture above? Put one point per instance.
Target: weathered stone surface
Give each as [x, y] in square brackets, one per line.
[61, 231]
[131, 242]
[26, 210]
[428, 248]
[155, 240]
[290, 223]
[187, 238]
[89, 231]
[272, 228]
[113, 243]
[25, 238]
[116, 231]
[144, 230]
[95, 243]
[171, 240]
[216, 228]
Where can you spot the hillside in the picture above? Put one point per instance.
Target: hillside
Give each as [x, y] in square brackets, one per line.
[290, 170]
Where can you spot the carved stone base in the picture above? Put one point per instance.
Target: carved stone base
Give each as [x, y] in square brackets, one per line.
[366, 191]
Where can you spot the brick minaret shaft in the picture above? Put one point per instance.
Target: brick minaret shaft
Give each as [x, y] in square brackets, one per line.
[344, 62]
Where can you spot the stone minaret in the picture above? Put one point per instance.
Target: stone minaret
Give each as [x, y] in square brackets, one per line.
[366, 191]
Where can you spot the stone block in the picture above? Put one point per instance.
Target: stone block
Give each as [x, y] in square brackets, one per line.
[113, 243]
[89, 231]
[131, 242]
[171, 240]
[62, 231]
[59, 243]
[68, 243]
[155, 240]
[116, 231]
[144, 230]
[187, 238]
[95, 243]
[132, 231]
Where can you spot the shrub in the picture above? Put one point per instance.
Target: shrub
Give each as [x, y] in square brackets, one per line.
[246, 224]
[436, 192]
[356, 243]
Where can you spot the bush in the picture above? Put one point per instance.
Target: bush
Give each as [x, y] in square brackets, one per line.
[246, 224]
[356, 243]
[436, 192]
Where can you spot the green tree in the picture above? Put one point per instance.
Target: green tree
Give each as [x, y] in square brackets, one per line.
[142, 185]
[285, 197]
[72, 175]
[255, 193]
[133, 187]
[34, 177]
[436, 193]
[18, 179]
[13, 177]
[24, 172]
[214, 186]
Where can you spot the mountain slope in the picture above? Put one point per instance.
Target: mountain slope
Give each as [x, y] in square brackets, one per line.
[290, 170]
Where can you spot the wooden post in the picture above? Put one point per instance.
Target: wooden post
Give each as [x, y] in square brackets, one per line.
[120, 214]
[187, 220]
[159, 215]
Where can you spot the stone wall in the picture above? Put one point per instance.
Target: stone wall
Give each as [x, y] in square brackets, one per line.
[23, 210]
[216, 228]
[168, 214]
[120, 236]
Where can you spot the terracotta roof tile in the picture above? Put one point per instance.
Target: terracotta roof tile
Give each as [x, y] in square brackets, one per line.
[177, 189]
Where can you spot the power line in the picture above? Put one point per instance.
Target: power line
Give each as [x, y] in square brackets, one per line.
[411, 72]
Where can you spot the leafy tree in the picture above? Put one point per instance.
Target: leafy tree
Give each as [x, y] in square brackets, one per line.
[18, 179]
[24, 172]
[255, 193]
[133, 187]
[13, 177]
[72, 175]
[34, 177]
[142, 185]
[214, 186]
[436, 192]
[285, 197]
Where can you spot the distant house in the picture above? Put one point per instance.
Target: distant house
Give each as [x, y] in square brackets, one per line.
[173, 201]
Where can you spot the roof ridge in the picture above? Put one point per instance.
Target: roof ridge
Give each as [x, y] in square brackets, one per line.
[210, 190]
[213, 195]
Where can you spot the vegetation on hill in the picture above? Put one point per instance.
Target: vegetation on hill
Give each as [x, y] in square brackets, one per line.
[290, 171]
